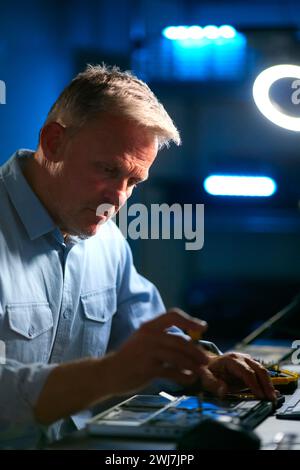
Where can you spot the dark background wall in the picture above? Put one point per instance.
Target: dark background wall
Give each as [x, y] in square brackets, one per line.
[250, 263]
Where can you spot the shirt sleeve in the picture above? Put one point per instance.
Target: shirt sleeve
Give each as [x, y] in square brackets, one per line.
[20, 387]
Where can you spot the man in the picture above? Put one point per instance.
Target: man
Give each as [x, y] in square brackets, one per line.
[70, 296]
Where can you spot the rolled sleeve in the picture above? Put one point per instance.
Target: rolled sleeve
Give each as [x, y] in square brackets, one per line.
[20, 387]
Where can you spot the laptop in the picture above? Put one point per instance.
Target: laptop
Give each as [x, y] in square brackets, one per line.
[158, 417]
[291, 409]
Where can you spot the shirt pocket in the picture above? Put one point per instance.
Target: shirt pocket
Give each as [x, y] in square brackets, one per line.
[29, 331]
[98, 308]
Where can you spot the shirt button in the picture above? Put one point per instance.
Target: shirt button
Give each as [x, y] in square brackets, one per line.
[66, 314]
[31, 331]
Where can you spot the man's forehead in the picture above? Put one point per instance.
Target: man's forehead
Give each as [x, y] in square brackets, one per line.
[123, 130]
[126, 164]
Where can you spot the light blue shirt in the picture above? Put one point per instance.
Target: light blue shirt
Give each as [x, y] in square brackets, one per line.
[58, 301]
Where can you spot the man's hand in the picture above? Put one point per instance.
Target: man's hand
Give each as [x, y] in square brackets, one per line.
[232, 372]
[151, 352]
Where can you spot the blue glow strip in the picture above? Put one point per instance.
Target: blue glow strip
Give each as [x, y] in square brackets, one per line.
[195, 32]
[233, 185]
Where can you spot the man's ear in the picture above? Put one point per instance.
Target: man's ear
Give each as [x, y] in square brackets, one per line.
[51, 141]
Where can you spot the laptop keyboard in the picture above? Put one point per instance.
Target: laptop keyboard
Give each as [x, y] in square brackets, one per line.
[150, 416]
[291, 409]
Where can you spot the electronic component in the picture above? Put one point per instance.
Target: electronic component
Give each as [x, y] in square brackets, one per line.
[283, 380]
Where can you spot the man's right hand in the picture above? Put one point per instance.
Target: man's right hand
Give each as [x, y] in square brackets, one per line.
[151, 352]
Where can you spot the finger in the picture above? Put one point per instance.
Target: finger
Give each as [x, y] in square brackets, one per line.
[236, 369]
[175, 317]
[212, 384]
[263, 378]
[182, 345]
[247, 375]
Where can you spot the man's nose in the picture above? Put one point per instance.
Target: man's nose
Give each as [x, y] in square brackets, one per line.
[117, 192]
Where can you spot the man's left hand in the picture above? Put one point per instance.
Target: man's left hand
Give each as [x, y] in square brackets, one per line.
[232, 372]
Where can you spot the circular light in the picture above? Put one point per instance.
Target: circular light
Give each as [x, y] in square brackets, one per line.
[261, 88]
[211, 32]
[227, 32]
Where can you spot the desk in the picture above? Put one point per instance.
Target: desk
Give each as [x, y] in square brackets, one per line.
[81, 440]
[268, 429]
[271, 426]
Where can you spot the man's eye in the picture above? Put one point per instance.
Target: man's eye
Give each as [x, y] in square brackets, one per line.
[108, 170]
[133, 184]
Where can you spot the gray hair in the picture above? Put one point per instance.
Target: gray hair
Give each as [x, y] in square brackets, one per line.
[101, 88]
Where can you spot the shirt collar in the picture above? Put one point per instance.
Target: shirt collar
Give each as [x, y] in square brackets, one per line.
[31, 211]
